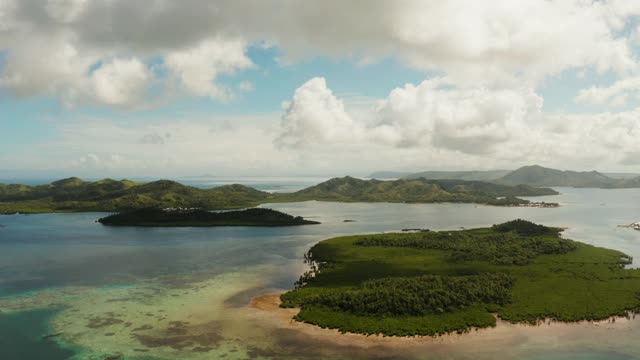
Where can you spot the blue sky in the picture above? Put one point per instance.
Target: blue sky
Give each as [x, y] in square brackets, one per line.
[33, 119]
[293, 97]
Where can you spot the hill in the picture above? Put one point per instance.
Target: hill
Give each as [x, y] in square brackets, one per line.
[76, 195]
[73, 194]
[622, 175]
[416, 191]
[540, 176]
[434, 283]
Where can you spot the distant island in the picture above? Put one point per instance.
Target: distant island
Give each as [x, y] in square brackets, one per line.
[470, 175]
[76, 195]
[541, 176]
[174, 217]
[533, 175]
[433, 283]
[350, 189]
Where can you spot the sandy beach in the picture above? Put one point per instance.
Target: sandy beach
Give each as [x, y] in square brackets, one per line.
[504, 334]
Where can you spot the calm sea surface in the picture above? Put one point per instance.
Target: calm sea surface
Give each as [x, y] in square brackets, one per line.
[62, 271]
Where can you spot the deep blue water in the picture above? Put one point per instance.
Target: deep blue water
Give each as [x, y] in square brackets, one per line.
[21, 337]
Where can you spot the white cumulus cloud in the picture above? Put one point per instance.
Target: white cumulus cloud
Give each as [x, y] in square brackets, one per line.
[197, 68]
[121, 82]
[615, 94]
[51, 45]
[431, 114]
[457, 125]
[467, 120]
[314, 116]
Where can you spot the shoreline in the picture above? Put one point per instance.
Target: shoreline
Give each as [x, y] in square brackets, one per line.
[268, 307]
[536, 205]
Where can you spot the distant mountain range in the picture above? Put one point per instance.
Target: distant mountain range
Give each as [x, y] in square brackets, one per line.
[473, 175]
[541, 176]
[76, 195]
[487, 175]
[533, 175]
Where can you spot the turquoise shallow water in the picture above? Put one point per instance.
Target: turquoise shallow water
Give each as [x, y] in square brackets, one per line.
[60, 251]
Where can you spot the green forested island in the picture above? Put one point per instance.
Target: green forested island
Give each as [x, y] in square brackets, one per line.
[76, 195]
[194, 217]
[418, 191]
[432, 283]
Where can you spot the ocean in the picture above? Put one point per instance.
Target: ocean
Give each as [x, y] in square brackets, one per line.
[135, 293]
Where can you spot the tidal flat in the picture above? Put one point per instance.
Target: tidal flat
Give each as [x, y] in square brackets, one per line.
[153, 318]
[187, 292]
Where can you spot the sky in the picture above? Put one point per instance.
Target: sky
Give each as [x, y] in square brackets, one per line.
[161, 88]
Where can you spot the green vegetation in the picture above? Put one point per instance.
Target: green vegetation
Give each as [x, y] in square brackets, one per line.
[513, 243]
[416, 296]
[349, 189]
[433, 283]
[195, 217]
[75, 195]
